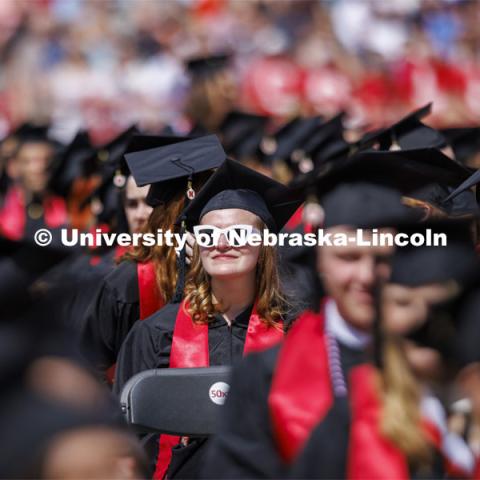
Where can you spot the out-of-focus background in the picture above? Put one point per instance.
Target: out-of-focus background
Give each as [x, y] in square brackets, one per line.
[107, 63]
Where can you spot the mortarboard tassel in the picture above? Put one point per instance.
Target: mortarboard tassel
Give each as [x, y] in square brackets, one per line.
[181, 259]
[119, 180]
[313, 213]
[395, 145]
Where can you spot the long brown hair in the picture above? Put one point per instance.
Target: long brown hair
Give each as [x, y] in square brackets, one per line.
[210, 99]
[164, 258]
[272, 304]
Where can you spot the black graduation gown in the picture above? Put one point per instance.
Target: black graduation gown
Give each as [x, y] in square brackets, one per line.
[116, 307]
[325, 455]
[245, 446]
[298, 275]
[84, 277]
[111, 314]
[148, 346]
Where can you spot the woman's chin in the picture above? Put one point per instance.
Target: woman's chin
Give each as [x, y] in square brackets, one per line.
[226, 271]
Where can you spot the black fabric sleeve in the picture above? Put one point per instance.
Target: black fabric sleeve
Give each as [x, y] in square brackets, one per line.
[110, 316]
[325, 453]
[147, 346]
[244, 446]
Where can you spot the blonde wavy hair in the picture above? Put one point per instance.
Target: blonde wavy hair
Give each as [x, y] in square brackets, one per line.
[163, 256]
[429, 210]
[272, 304]
[401, 420]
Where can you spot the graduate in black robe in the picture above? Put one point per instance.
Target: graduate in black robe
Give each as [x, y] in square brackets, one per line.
[250, 448]
[50, 402]
[333, 336]
[175, 168]
[234, 196]
[30, 203]
[119, 207]
[353, 194]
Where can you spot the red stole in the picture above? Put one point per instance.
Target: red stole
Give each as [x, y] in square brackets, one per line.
[149, 296]
[190, 350]
[296, 220]
[301, 392]
[370, 455]
[476, 474]
[13, 215]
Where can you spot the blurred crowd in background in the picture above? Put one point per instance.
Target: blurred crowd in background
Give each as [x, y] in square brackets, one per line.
[103, 65]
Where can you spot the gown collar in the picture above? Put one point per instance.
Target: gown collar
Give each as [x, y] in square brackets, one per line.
[343, 332]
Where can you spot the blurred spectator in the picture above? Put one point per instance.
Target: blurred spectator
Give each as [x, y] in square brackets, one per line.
[104, 65]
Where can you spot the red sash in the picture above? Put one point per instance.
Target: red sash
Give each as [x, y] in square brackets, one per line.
[296, 220]
[477, 470]
[301, 395]
[367, 444]
[150, 298]
[370, 455]
[190, 350]
[55, 211]
[12, 215]
[301, 391]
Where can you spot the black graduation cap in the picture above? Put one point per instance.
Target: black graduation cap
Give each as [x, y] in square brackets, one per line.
[410, 133]
[69, 164]
[422, 265]
[293, 135]
[104, 158]
[271, 143]
[139, 143]
[32, 132]
[454, 264]
[234, 185]
[319, 146]
[405, 171]
[363, 205]
[167, 168]
[106, 198]
[333, 146]
[242, 134]
[203, 67]
[37, 133]
[465, 142]
[468, 183]
[463, 204]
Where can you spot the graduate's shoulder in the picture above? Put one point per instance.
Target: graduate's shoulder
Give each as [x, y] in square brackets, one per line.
[122, 281]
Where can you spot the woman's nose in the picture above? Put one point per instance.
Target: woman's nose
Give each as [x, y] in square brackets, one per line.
[223, 243]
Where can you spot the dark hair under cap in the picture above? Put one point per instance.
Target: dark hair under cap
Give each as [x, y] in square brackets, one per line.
[243, 199]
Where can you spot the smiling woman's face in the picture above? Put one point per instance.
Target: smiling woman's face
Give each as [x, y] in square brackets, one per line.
[223, 260]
